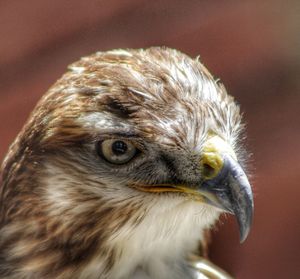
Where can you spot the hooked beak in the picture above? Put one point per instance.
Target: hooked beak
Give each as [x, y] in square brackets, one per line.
[225, 184]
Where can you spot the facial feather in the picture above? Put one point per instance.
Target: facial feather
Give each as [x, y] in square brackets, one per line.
[67, 214]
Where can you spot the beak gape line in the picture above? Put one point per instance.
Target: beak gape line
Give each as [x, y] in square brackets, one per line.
[224, 184]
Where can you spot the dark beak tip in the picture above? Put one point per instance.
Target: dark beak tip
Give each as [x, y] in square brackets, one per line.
[245, 225]
[244, 235]
[234, 195]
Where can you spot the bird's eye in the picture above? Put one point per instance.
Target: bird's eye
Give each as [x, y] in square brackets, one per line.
[117, 151]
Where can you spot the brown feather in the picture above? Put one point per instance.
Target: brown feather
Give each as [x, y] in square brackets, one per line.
[146, 88]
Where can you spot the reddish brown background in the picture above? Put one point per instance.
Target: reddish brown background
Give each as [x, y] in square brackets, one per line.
[253, 46]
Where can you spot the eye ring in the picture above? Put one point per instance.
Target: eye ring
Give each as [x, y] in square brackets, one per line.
[117, 151]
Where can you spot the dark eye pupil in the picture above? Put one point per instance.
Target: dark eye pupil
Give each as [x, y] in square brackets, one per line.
[119, 147]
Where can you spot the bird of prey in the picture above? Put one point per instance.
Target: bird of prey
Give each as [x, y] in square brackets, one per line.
[122, 167]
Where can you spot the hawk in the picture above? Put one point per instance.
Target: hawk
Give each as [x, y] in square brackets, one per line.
[120, 170]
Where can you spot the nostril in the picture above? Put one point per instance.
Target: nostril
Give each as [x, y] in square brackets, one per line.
[208, 171]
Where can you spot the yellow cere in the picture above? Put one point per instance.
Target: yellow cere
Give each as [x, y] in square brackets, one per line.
[212, 159]
[211, 164]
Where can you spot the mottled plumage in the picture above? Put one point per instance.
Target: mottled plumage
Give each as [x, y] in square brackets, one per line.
[67, 213]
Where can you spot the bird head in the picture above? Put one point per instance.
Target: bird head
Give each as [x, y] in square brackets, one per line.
[129, 133]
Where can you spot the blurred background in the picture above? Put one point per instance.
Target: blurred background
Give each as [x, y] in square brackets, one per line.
[252, 46]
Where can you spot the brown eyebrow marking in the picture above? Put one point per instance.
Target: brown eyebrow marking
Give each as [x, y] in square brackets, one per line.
[116, 107]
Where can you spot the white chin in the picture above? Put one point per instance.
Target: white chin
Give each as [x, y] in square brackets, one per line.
[170, 231]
